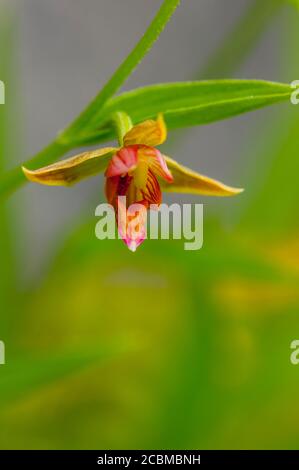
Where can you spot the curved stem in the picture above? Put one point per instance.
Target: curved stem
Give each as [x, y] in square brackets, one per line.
[15, 178]
[90, 114]
[68, 138]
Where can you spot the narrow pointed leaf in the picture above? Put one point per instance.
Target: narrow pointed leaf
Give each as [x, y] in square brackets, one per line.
[182, 104]
[194, 103]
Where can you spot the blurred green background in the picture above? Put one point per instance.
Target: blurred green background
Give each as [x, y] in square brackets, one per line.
[163, 348]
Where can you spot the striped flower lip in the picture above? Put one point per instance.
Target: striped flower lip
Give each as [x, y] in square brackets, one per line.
[135, 173]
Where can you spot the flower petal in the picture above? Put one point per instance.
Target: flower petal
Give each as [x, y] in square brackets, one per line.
[188, 181]
[132, 223]
[111, 186]
[117, 186]
[141, 173]
[155, 161]
[122, 162]
[152, 192]
[71, 170]
[149, 132]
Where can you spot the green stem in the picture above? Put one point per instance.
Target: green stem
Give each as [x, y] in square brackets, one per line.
[15, 178]
[89, 116]
[68, 138]
[122, 123]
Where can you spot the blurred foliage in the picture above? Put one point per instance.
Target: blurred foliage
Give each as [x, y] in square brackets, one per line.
[241, 40]
[164, 348]
[7, 265]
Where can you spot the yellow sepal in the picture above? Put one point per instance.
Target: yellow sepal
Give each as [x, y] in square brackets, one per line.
[72, 170]
[151, 133]
[190, 182]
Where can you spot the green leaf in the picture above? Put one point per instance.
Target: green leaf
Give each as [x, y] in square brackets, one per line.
[187, 104]
[184, 104]
[15, 178]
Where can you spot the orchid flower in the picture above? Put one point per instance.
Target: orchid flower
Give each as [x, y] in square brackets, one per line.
[136, 170]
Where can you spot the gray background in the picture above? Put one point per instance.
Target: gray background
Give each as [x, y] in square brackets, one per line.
[67, 49]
